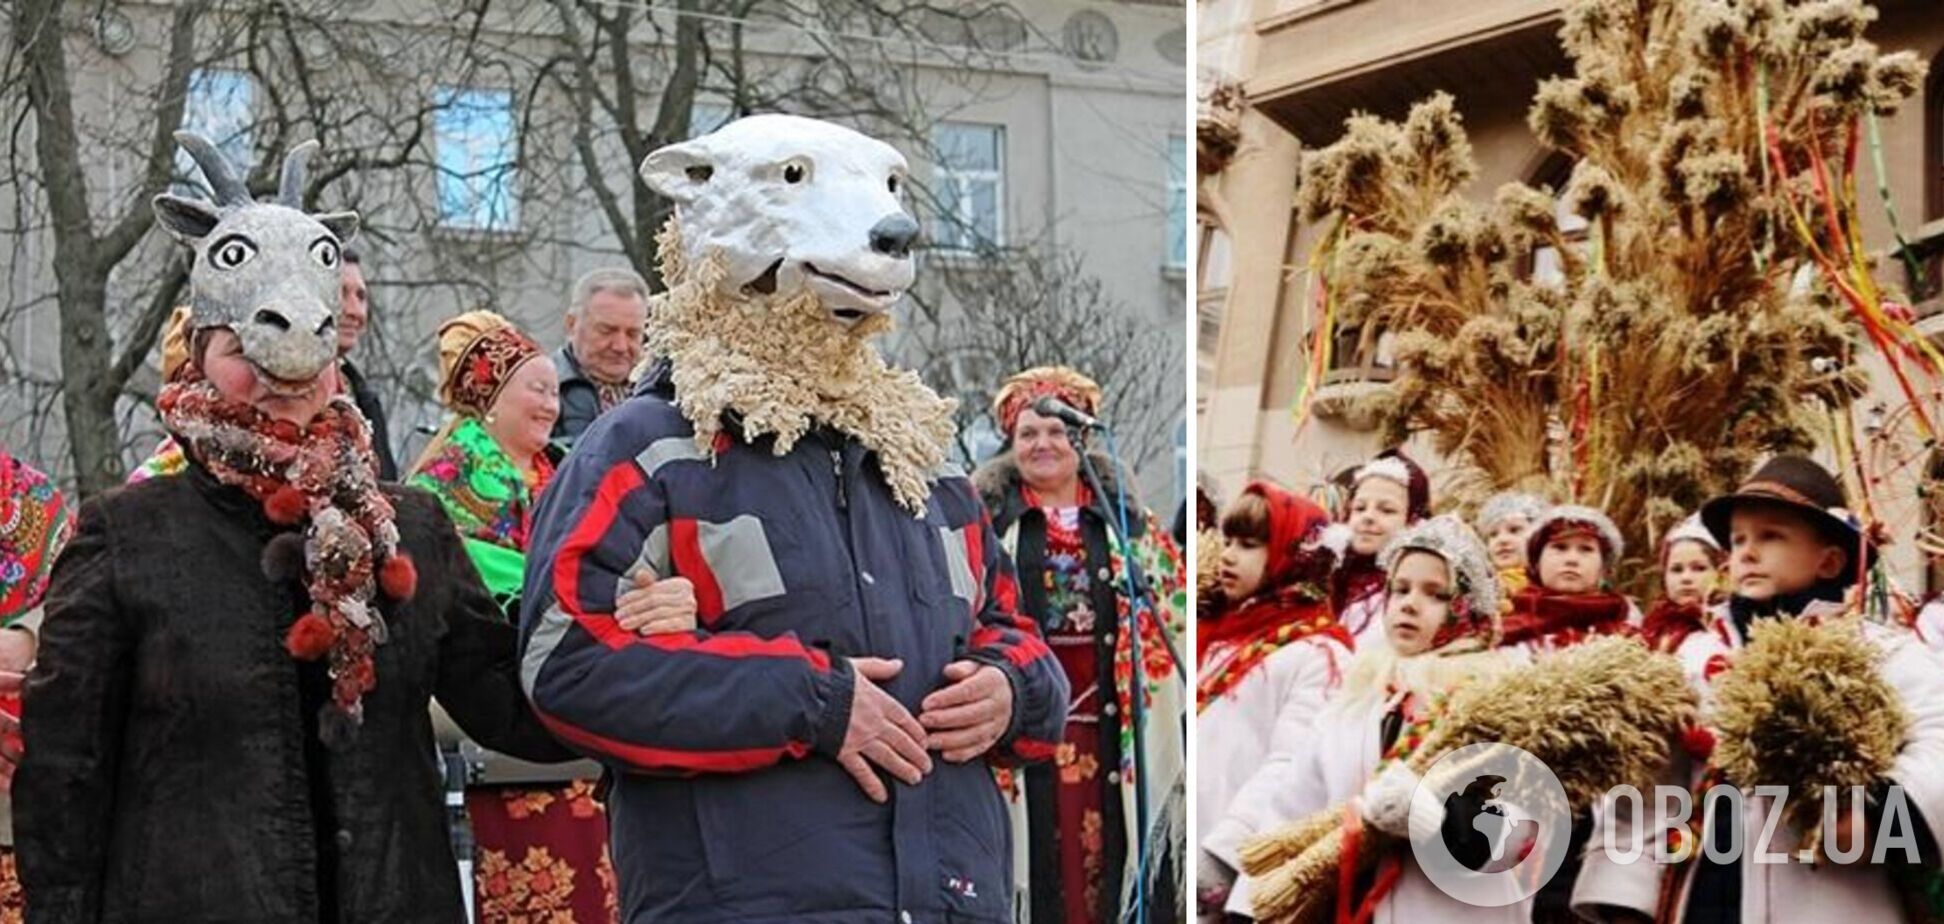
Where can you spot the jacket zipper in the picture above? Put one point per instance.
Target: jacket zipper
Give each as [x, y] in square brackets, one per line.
[850, 547]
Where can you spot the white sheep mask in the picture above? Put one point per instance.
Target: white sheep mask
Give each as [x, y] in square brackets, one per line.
[265, 270]
[792, 204]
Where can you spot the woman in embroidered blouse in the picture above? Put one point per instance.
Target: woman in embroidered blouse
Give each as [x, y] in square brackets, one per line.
[489, 462]
[487, 467]
[1072, 583]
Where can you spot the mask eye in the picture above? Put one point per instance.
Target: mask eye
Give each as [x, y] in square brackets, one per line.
[232, 252]
[795, 172]
[893, 184]
[325, 252]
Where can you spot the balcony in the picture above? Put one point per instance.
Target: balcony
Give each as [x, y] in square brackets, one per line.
[1319, 63]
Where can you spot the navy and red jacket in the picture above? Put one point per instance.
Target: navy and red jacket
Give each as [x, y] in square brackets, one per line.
[726, 802]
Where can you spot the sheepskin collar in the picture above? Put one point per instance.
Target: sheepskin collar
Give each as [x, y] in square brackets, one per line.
[998, 482]
[781, 367]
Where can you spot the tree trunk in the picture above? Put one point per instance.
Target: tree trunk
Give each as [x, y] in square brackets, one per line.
[88, 393]
[92, 378]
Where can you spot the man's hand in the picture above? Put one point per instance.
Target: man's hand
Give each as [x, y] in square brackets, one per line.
[881, 732]
[654, 606]
[970, 714]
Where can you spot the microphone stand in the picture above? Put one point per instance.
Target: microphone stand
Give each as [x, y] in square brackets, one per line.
[1117, 527]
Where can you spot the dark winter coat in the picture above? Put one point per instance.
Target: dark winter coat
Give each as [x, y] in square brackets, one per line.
[173, 772]
[580, 399]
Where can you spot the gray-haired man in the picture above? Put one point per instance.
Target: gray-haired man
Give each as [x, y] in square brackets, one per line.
[605, 320]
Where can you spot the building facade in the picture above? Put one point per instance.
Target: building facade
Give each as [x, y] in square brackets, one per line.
[1068, 133]
[1292, 70]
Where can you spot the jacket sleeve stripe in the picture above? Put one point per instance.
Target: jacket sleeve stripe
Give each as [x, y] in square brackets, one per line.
[1019, 648]
[619, 482]
[736, 761]
[602, 509]
[975, 555]
[685, 552]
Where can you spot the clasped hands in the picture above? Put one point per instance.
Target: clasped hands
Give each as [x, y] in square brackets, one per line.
[961, 720]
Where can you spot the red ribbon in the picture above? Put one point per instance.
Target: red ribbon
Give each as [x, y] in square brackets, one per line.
[1347, 861]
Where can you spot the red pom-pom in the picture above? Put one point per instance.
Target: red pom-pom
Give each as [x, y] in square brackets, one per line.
[398, 578]
[1698, 741]
[310, 637]
[166, 401]
[286, 506]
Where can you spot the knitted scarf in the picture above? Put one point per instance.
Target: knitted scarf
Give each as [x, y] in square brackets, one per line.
[1669, 624]
[1356, 579]
[323, 476]
[1556, 619]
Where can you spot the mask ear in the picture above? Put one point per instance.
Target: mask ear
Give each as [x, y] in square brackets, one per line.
[343, 224]
[188, 220]
[678, 171]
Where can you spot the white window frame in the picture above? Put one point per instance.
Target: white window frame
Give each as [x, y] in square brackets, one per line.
[963, 233]
[1175, 258]
[203, 112]
[447, 98]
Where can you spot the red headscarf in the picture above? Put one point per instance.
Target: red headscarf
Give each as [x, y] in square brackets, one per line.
[1020, 391]
[1293, 601]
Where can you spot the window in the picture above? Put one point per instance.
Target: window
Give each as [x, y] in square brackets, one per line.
[219, 106]
[1177, 203]
[1548, 269]
[705, 117]
[1181, 458]
[970, 183]
[476, 155]
[1212, 267]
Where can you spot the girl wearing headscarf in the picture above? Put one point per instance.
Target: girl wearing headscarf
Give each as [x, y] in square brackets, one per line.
[490, 460]
[1270, 654]
[1571, 552]
[1386, 495]
[1440, 625]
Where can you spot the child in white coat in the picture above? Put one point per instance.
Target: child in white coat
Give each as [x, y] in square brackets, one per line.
[1270, 651]
[1794, 552]
[1439, 622]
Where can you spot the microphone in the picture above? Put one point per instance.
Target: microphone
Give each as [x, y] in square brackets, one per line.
[1049, 406]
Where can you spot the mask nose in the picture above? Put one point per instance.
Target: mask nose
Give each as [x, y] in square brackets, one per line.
[278, 320]
[292, 338]
[894, 235]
